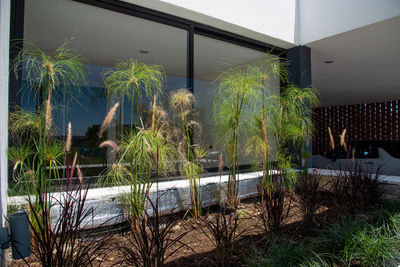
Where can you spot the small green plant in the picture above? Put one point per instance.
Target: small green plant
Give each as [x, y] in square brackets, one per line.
[351, 241]
[284, 253]
[388, 212]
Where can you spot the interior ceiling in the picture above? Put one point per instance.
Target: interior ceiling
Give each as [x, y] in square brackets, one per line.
[366, 65]
[213, 56]
[104, 37]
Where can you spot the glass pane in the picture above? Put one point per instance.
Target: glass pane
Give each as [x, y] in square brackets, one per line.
[211, 58]
[103, 38]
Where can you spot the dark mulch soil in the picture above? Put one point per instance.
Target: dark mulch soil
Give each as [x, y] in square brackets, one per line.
[200, 250]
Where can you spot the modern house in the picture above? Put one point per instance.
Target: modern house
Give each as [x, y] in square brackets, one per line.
[348, 50]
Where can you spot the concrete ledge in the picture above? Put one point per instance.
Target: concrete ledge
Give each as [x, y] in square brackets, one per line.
[383, 178]
[390, 184]
[173, 195]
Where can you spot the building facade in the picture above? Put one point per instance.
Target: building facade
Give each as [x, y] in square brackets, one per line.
[346, 50]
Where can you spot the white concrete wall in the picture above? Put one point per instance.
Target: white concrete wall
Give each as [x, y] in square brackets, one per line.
[4, 61]
[318, 19]
[173, 196]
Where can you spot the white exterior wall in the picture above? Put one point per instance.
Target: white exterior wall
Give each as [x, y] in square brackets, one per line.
[318, 19]
[4, 60]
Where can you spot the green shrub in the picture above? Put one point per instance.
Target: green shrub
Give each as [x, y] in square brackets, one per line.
[282, 253]
[354, 242]
[375, 247]
[387, 213]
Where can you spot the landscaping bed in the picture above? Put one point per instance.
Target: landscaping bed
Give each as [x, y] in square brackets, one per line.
[331, 239]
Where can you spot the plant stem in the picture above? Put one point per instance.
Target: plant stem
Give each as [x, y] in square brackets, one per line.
[154, 112]
[132, 108]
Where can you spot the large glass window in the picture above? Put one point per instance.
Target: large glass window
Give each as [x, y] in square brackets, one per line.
[102, 38]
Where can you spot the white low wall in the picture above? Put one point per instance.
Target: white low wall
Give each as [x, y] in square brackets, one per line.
[390, 184]
[173, 195]
[383, 178]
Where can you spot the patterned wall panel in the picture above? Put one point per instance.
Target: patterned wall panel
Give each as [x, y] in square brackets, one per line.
[373, 121]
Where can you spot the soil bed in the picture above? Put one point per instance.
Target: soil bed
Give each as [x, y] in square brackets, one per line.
[200, 250]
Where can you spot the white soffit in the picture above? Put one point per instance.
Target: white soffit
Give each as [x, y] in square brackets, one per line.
[318, 19]
[366, 65]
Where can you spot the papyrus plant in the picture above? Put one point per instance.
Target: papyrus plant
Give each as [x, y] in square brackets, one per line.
[182, 101]
[37, 155]
[291, 123]
[232, 110]
[135, 154]
[45, 76]
[132, 79]
[268, 71]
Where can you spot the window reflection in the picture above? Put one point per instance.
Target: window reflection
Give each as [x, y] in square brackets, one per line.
[102, 38]
[211, 58]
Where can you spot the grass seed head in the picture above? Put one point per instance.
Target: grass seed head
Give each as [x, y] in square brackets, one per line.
[69, 138]
[111, 144]
[331, 138]
[80, 176]
[48, 114]
[108, 119]
[342, 140]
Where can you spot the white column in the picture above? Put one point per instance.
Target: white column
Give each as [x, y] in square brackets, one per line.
[5, 9]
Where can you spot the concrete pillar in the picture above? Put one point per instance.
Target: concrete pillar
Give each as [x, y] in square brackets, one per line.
[5, 9]
[299, 58]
